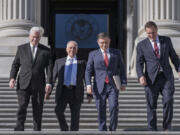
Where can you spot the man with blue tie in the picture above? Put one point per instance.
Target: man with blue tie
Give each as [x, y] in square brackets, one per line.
[154, 52]
[70, 88]
[103, 64]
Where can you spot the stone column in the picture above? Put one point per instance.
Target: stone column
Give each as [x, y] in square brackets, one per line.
[166, 14]
[131, 31]
[17, 17]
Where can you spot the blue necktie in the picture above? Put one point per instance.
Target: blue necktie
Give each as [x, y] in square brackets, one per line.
[69, 71]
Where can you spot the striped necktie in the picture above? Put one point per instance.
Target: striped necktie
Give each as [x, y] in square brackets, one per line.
[106, 61]
[156, 49]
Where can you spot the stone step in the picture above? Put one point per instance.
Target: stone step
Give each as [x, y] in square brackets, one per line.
[122, 99]
[121, 126]
[124, 119]
[92, 115]
[128, 78]
[131, 116]
[126, 95]
[121, 106]
[130, 110]
[133, 90]
[122, 113]
[121, 102]
[129, 86]
[123, 95]
[134, 105]
[57, 132]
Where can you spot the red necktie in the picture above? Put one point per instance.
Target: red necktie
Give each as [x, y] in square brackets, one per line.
[156, 50]
[106, 64]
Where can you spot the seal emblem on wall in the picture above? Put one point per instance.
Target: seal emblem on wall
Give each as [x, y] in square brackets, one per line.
[81, 27]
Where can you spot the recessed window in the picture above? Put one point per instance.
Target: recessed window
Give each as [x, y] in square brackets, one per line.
[82, 28]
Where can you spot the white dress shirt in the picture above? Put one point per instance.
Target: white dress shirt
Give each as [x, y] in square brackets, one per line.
[157, 42]
[159, 47]
[35, 51]
[107, 51]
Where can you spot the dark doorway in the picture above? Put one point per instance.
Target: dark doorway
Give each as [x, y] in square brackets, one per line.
[82, 20]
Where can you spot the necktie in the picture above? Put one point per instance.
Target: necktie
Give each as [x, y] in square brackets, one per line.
[69, 71]
[33, 51]
[106, 61]
[156, 50]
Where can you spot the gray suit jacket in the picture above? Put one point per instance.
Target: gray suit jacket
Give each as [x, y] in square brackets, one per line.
[96, 67]
[32, 72]
[58, 72]
[146, 55]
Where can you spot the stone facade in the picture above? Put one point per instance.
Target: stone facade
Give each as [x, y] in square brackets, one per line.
[16, 19]
[166, 15]
[18, 16]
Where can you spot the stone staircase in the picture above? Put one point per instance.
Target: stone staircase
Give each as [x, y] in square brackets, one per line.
[132, 114]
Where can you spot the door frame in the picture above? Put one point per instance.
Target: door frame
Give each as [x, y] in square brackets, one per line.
[115, 8]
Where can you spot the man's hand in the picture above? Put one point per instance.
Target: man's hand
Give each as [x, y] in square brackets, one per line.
[12, 83]
[179, 75]
[123, 88]
[47, 96]
[48, 90]
[89, 92]
[142, 81]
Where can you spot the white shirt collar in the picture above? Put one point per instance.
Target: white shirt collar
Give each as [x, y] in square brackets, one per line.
[33, 45]
[157, 40]
[68, 58]
[107, 50]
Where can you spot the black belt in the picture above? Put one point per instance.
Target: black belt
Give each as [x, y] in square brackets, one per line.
[160, 73]
[70, 87]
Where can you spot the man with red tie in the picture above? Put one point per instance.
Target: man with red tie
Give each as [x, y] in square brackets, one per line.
[103, 64]
[154, 52]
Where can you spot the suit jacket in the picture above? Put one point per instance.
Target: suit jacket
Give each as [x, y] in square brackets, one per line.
[146, 55]
[96, 67]
[32, 72]
[58, 72]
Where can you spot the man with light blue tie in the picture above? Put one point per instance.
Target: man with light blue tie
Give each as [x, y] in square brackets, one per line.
[103, 64]
[70, 88]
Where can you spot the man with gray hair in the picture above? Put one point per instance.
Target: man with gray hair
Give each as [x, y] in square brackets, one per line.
[31, 61]
[70, 89]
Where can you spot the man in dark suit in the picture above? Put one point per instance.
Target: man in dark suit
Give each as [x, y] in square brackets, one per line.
[70, 87]
[103, 64]
[30, 61]
[155, 52]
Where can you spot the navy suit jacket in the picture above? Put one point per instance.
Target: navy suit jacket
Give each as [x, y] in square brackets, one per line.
[96, 67]
[58, 72]
[146, 55]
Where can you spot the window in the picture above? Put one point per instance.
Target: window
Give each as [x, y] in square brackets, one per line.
[82, 28]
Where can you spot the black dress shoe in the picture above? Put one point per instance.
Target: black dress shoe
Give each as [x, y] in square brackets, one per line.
[167, 130]
[18, 129]
[37, 129]
[152, 129]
